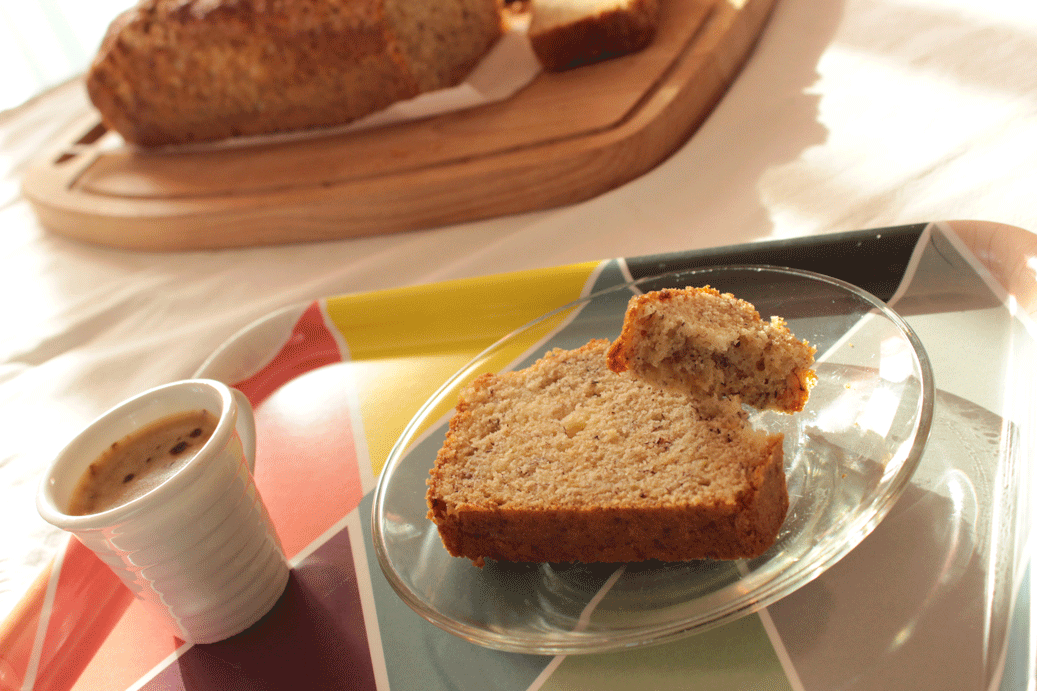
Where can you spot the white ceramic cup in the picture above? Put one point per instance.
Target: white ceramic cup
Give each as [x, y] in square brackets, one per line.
[199, 549]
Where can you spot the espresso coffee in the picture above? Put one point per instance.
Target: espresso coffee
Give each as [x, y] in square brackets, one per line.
[140, 462]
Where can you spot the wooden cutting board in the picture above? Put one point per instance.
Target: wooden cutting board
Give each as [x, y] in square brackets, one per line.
[564, 138]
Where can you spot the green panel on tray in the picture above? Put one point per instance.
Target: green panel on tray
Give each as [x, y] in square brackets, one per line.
[734, 657]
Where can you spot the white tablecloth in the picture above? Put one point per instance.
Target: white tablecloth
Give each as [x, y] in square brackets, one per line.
[850, 114]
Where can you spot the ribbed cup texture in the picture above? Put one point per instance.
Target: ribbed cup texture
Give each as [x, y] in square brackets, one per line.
[208, 559]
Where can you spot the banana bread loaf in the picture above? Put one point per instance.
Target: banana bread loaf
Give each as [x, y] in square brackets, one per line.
[569, 461]
[178, 71]
[708, 343]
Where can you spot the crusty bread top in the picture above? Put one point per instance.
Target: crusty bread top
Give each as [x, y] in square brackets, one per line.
[180, 71]
[567, 432]
[708, 343]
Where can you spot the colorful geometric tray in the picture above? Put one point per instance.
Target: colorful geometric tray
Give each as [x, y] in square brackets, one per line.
[334, 382]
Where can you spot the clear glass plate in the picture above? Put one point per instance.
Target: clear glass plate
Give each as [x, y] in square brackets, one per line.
[848, 457]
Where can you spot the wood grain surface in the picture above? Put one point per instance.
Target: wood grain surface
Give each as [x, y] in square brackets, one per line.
[564, 138]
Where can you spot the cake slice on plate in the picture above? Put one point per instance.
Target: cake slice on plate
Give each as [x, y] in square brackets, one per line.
[569, 461]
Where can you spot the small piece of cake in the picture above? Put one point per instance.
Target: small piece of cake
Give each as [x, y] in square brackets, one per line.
[570, 33]
[569, 461]
[708, 343]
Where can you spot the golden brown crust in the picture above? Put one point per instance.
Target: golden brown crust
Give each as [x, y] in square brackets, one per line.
[179, 71]
[619, 354]
[599, 36]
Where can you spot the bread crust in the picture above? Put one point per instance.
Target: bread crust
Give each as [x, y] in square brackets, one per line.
[595, 37]
[181, 71]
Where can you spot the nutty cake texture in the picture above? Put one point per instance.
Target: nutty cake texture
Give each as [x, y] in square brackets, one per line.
[569, 461]
[709, 343]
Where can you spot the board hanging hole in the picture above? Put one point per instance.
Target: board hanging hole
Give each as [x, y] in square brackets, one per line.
[92, 135]
[95, 133]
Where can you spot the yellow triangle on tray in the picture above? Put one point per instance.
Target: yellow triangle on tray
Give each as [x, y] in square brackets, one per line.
[405, 343]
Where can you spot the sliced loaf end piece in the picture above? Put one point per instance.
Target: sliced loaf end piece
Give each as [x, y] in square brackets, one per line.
[707, 343]
[569, 33]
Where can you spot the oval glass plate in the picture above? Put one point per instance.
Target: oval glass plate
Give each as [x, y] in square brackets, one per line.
[848, 456]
